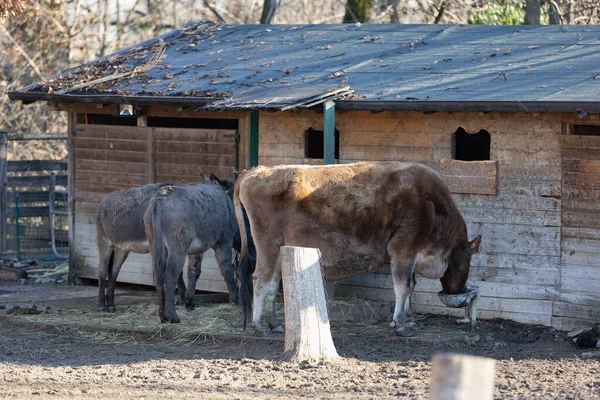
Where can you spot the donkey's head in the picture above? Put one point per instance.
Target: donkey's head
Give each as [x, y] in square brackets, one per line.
[227, 186]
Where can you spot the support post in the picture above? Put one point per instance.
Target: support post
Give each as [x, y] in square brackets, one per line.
[72, 125]
[329, 132]
[461, 377]
[253, 139]
[3, 190]
[307, 332]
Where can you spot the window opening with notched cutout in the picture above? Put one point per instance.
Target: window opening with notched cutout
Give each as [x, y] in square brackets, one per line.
[315, 141]
[471, 147]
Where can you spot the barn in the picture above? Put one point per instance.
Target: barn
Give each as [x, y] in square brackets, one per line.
[509, 116]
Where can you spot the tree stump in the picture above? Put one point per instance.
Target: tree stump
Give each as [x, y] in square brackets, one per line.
[307, 332]
[460, 377]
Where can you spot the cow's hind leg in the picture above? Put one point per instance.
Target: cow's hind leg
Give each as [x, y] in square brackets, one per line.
[173, 271]
[271, 290]
[224, 257]
[194, 270]
[119, 257]
[266, 281]
[402, 278]
[105, 252]
[409, 316]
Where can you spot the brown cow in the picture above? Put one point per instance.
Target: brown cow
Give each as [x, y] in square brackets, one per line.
[362, 217]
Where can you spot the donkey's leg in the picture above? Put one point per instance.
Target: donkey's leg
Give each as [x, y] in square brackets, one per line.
[105, 252]
[224, 256]
[119, 257]
[194, 271]
[174, 268]
[182, 290]
[263, 277]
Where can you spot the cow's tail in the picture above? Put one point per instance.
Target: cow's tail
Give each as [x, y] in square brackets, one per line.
[158, 250]
[245, 267]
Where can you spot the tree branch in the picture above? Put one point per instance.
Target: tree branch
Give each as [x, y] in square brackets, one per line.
[214, 11]
[22, 52]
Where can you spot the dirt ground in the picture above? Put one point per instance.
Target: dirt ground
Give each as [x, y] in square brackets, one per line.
[42, 360]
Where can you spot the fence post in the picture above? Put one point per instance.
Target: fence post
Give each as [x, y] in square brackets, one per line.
[462, 377]
[307, 332]
[3, 190]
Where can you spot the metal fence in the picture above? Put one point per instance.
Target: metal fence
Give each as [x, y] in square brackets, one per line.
[33, 205]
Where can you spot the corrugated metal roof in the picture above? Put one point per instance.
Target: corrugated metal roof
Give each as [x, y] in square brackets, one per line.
[420, 67]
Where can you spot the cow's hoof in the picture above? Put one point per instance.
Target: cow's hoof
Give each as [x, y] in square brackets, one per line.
[262, 330]
[404, 332]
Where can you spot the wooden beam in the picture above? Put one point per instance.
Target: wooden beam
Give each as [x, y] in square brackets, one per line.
[329, 132]
[460, 377]
[72, 125]
[3, 188]
[253, 138]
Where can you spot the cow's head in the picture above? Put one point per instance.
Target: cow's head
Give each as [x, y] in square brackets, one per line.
[459, 263]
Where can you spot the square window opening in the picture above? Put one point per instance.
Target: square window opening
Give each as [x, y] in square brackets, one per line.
[585, 130]
[470, 147]
[315, 142]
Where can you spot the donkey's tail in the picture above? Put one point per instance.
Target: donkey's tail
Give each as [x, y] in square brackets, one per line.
[158, 250]
[245, 267]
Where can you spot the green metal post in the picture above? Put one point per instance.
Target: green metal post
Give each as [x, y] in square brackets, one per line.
[329, 132]
[17, 226]
[253, 139]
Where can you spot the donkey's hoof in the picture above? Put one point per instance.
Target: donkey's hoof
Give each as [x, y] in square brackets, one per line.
[190, 306]
[235, 300]
[111, 309]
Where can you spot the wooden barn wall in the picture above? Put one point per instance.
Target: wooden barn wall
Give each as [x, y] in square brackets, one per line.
[108, 158]
[518, 269]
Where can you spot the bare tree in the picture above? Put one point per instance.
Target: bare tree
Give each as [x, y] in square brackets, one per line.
[268, 11]
[532, 12]
[358, 10]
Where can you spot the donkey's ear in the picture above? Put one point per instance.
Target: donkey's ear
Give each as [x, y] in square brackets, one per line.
[203, 176]
[474, 245]
[214, 179]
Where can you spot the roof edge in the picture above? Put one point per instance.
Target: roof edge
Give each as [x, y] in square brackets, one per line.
[186, 101]
[469, 105]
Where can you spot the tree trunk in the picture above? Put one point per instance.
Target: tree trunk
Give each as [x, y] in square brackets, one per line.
[532, 12]
[307, 333]
[268, 12]
[460, 377]
[358, 10]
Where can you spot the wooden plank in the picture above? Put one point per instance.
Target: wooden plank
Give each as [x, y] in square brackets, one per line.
[509, 201]
[101, 177]
[508, 216]
[570, 324]
[86, 218]
[71, 187]
[580, 219]
[471, 184]
[152, 178]
[528, 157]
[110, 155]
[530, 172]
[33, 181]
[580, 258]
[282, 150]
[273, 161]
[584, 245]
[223, 172]
[195, 148]
[29, 197]
[581, 166]
[581, 179]
[111, 166]
[354, 137]
[103, 132]
[101, 188]
[581, 205]
[581, 285]
[90, 197]
[87, 208]
[195, 135]
[581, 233]
[580, 142]
[196, 159]
[562, 309]
[36, 165]
[381, 153]
[580, 192]
[524, 142]
[581, 154]
[26, 212]
[112, 144]
[525, 187]
[577, 297]
[542, 277]
[491, 231]
[512, 263]
[3, 189]
[482, 169]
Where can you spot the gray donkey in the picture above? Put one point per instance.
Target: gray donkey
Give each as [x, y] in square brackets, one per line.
[120, 230]
[187, 220]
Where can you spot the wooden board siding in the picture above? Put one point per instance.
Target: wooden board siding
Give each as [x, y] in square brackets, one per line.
[109, 158]
[580, 255]
[519, 267]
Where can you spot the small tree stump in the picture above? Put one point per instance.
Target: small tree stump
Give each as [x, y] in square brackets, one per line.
[460, 377]
[307, 332]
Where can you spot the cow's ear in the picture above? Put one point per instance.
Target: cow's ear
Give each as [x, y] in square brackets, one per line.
[474, 245]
